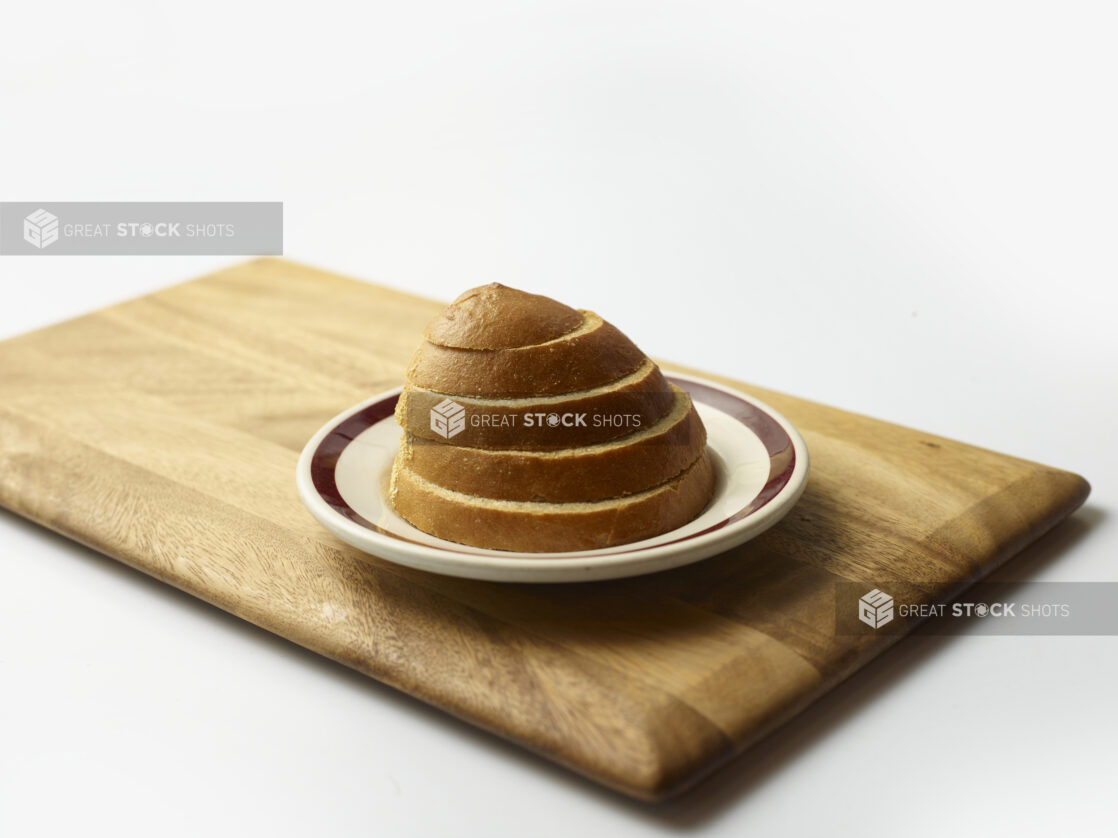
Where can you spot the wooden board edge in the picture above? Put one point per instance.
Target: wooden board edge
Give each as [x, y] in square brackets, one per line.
[1073, 493]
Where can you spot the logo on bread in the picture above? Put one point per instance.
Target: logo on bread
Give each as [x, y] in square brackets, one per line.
[448, 418]
[875, 609]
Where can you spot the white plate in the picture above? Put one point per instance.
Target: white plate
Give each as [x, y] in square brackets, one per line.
[760, 460]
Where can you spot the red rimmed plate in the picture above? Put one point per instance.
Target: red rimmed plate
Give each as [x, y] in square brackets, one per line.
[760, 459]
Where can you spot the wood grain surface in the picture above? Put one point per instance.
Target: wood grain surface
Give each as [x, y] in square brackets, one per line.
[164, 432]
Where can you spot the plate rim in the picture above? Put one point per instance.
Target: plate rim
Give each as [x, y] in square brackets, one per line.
[554, 567]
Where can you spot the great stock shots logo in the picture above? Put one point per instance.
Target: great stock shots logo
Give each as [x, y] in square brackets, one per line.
[875, 609]
[40, 228]
[448, 418]
[141, 228]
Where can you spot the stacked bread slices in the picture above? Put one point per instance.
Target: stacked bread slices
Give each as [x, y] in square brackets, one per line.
[535, 427]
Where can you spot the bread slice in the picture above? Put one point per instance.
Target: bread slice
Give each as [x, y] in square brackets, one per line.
[545, 527]
[591, 355]
[632, 464]
[496, 317]
[644, 395]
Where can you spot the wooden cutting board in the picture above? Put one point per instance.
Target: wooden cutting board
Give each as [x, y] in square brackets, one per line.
[164, 432]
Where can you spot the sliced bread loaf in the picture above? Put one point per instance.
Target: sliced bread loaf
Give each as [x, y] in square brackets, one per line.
[531, 426]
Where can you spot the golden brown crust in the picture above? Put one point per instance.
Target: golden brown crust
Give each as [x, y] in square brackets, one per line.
[541, 527]
[594, 354]
[644, 394]
[597, 472]
[496, 317]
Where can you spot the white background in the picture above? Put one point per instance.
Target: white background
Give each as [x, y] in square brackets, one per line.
[908, 210]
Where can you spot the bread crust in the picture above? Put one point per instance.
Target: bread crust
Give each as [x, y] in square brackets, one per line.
[594, 354]
[497, 317]
[560, 527]
[644, 394]
[632, 464]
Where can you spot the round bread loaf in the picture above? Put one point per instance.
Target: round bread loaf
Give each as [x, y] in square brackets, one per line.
[532, 426]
